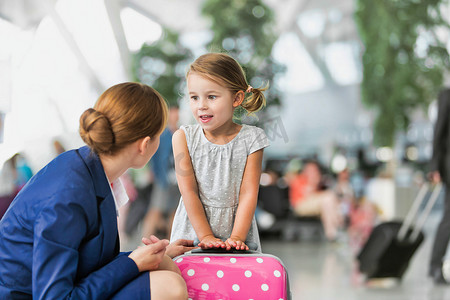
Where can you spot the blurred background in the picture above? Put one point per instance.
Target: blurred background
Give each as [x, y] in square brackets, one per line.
[353, 86]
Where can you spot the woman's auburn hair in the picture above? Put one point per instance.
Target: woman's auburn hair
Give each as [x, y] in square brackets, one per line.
[123, 114]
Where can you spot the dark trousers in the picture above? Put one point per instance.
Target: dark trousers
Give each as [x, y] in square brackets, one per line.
[442, 236]
[138, 209]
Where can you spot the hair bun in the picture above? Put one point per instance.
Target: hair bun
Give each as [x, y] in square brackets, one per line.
[96, 131]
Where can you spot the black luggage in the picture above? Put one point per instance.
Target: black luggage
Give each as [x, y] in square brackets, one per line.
[391, 245]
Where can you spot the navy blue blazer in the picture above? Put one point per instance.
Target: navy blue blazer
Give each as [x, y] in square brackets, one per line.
[59, 239]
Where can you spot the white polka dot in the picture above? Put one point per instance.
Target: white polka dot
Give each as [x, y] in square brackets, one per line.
[205, 287]
[265, 287]
[189, 298]
[191, 272]
[220, 274]
[248, 273]
[260, 260]
[236, 287]
[232, 260]
[206, 259]
[179, 260]
[276, 273]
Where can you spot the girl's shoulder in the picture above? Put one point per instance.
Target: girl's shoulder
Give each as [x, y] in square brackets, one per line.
[192, 132]
[191, 129]
[255, 138]
[250, 131]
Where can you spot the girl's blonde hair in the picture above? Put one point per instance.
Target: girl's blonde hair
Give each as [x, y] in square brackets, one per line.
[123, 114]
[225, 70]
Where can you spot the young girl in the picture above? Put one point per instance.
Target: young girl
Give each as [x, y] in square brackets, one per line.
[218, 162]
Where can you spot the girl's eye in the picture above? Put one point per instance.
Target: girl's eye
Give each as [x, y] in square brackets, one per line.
[212, 97]
[194, 98]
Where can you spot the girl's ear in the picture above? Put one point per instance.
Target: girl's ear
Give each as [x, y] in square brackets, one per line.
[238, 98]
[143, 144]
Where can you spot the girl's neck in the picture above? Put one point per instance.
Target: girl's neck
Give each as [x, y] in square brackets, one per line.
[224, 134]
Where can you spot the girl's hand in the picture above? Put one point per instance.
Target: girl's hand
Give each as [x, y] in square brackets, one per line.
[235, 242]
[211, 241]
[148, 257]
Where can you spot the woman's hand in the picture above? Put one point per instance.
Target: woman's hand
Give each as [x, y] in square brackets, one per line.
[148, 257]
[211, 241]
[174, 249]
[235, 242]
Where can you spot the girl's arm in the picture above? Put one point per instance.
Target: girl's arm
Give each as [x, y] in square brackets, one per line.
[248, 197]
[189, 191]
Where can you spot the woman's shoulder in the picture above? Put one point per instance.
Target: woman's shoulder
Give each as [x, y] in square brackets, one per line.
[64, 180]
[66, 172]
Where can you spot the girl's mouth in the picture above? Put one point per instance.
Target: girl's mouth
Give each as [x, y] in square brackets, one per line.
[205, 118]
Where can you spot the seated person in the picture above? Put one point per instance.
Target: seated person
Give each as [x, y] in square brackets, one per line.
[345, 194]
[309, 198]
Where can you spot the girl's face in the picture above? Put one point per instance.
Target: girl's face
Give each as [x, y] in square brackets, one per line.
[212, 104]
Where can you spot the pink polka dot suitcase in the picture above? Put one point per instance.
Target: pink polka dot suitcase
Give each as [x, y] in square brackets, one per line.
[241, 275]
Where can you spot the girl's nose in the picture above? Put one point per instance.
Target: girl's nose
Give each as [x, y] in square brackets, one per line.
[202, 104]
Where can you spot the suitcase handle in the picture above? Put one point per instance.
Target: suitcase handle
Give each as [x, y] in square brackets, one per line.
[414, 210]
[423, 217]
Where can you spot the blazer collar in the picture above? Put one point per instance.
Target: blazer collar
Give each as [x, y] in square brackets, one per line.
[92, 161]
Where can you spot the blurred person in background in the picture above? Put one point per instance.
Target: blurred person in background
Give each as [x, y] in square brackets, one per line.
[309, 197]
[14, 174]
[7, 185]
[58, 147]
[440, 172]
[165, 194]
[142, 180]
[344, 193]
[273, 203]
[23, 171]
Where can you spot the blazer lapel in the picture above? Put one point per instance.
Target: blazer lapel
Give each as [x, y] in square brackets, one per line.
[106, 205]
[108, 215]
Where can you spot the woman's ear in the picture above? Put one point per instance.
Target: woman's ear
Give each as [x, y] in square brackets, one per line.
[143, 144]
[238, 98]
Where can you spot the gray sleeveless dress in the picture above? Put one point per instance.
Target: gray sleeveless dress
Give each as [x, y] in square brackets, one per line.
[218, 170]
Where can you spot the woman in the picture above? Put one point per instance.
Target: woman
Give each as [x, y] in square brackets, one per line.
[59, 238]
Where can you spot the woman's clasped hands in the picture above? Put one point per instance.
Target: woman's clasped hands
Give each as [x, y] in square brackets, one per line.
[149, 256]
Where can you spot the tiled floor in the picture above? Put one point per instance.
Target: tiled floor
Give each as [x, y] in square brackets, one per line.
[322, 271]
